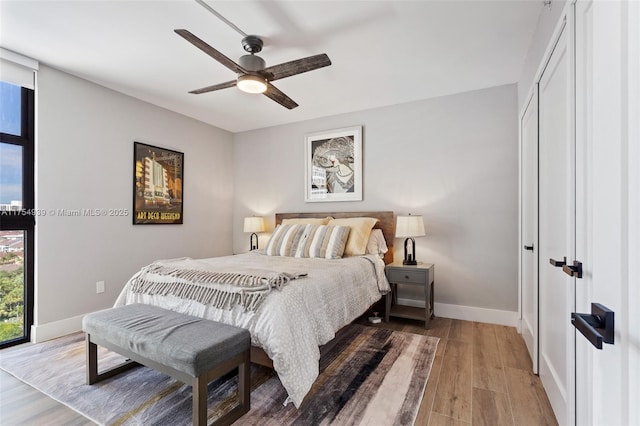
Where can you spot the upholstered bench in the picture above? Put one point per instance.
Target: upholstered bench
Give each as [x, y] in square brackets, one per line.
[190, 349]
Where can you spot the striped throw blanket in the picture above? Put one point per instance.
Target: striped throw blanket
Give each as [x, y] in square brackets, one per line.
[222, 290]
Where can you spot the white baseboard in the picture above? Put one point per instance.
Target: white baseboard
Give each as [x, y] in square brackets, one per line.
[53, 330]
[468, 313]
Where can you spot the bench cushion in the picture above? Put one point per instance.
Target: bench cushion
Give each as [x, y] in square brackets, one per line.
[186, 343]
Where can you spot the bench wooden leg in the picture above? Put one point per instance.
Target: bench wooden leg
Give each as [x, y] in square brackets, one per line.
[199, 401]
[92, 364]
[92, 361]
[244, 382]
[242, 362]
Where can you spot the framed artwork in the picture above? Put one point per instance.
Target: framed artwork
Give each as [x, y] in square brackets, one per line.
[333, 165]
[157, 185]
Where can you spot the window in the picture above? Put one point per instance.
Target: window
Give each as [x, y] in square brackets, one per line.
[10, 111]
[16, 213]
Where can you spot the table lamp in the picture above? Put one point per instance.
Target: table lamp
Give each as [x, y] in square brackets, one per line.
[409, 227]
[254, 224]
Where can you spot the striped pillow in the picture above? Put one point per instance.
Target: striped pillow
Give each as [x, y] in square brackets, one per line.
[300, 240]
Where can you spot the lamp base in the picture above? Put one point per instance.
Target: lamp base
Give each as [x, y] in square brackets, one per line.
[251, 241]
[409, 258]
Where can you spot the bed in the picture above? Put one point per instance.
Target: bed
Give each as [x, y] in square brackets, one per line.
[291, 323]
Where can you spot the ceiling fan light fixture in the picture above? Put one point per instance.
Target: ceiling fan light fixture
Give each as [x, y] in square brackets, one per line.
[252, 83]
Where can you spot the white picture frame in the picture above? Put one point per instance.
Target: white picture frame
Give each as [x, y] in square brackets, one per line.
[333, 165]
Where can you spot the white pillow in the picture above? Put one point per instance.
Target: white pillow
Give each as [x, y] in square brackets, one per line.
[377, 244]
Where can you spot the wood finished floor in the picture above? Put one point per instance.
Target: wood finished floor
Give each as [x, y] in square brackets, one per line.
[481, 376]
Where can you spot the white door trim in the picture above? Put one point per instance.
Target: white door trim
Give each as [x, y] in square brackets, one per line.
[632, 134]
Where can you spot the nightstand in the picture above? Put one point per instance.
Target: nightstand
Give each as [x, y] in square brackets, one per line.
[416, 275]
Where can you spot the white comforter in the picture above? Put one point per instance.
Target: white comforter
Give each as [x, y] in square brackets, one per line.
[292, 322]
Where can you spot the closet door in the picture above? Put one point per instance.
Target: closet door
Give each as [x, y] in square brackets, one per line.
[608, 205]
[557, 228]
[529, 226]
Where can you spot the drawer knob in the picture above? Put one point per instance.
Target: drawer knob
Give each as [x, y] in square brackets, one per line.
[406, 277]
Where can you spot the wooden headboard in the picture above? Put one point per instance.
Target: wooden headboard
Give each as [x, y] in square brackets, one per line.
[386, 222]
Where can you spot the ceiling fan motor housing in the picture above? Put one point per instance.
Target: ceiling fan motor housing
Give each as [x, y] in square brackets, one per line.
[252, 62]
[252, 44]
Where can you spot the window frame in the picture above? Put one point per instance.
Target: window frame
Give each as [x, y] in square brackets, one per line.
[24, 219]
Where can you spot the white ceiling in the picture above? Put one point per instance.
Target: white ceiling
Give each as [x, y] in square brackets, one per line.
[383, 52]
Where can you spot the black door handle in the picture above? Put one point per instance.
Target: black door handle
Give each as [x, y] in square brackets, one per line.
[598, 326]
[574, 270]
[526, 247]
[558, 263]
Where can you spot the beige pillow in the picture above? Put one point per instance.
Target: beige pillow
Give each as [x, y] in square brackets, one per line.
[359, 235]
[307, 221]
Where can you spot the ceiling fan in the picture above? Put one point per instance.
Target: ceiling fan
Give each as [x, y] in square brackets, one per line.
[253, 74]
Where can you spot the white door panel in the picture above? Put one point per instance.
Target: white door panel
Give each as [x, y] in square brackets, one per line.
[607, 71]
[557, 228]
[529, 227]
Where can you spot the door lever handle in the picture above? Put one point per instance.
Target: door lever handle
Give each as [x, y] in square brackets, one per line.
[574, 270]
[598, 326]
[558, 263]
[526, 247]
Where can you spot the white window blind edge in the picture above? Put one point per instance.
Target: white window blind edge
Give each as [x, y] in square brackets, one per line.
[17, 69]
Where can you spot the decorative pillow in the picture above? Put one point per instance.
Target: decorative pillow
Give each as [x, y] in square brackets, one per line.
[377, 244]
[301, 240]
[359, 235]
[307, 221]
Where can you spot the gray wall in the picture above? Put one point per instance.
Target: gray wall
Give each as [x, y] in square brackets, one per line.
[452, 159]
[84, 157]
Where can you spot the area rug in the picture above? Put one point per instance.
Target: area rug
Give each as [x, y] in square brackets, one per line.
[371, 376]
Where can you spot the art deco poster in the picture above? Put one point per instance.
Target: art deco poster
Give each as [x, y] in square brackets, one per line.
[157, 185]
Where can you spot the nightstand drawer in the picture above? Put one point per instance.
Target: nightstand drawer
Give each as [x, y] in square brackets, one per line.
[399, 276]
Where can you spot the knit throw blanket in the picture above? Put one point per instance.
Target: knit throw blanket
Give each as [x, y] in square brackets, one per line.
[222, 290]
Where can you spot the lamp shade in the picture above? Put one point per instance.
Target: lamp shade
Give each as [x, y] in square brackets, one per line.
[254, 224]
[409, 226]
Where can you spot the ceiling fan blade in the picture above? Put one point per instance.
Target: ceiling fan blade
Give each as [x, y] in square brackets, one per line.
[298, 66]
[215, 87]
[211, 51]
[275, 94]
